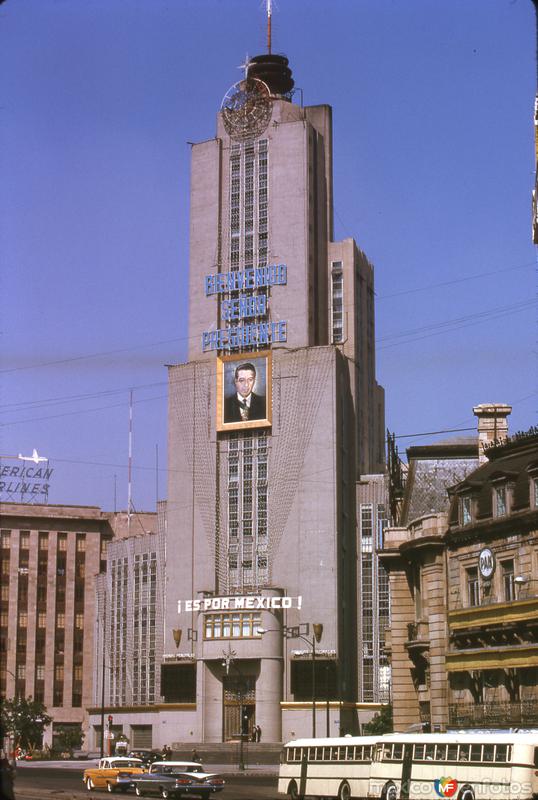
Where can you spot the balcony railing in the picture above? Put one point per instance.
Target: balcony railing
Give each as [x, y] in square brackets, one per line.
[494, 715]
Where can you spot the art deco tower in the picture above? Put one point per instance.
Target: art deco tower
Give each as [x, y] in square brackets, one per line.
[261, 526]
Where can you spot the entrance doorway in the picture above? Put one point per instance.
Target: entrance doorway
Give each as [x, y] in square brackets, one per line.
[239, 707]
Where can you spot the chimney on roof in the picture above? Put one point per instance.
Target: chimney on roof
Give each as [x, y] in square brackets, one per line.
[492, 425]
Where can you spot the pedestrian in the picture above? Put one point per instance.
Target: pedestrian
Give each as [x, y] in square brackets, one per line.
[166, 753]
[195, 756]
[258, 733]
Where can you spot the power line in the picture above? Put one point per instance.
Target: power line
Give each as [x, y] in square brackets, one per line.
[79, 411]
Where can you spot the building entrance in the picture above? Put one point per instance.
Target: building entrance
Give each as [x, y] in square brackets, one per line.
[239, 706]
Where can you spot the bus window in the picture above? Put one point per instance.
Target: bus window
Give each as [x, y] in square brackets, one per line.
[430, 751]
[368, 753]
[476, 752]
[349, 753]
[500, 753]
[488, 752]
[464, 752]
[385, 756]
[440, 752]
[452, 752]
[418, 752]
[397, 752]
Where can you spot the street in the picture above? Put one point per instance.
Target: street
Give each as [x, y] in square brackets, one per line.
[38, 782]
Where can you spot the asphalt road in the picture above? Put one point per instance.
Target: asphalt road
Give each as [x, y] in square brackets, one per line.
[41, 783]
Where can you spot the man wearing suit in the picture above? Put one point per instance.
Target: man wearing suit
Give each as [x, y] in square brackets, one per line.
[244, 405]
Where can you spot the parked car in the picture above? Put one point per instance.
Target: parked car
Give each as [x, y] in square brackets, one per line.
[114, 772]
[146, 756]
[175, 778]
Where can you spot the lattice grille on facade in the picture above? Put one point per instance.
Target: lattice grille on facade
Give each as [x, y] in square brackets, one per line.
[246, 457]
[375, 670]
[130, 608]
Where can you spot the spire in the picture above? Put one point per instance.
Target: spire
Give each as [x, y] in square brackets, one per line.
[269, 15]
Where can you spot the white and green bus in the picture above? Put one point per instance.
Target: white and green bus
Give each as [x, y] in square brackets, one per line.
[438, 766]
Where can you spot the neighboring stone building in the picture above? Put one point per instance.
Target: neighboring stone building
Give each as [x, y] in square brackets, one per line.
[463, 635]
[49, 557]
[492, 560]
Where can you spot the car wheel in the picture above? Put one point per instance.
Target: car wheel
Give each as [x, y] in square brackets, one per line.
[89, 785]
[390, 792]
[165, 794]
[110, 788]
[139, 792]
[344, 792]
[466, 793]
[293, 792]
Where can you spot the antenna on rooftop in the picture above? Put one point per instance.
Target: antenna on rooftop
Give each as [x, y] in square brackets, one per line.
[269, 15]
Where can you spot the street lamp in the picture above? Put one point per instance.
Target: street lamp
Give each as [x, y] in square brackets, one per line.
[293, 633]
[229, 658]
[521, 581]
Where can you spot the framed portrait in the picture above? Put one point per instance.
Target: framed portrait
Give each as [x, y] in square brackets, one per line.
[244, 391]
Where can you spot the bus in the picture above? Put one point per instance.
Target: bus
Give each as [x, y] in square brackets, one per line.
[399, 766]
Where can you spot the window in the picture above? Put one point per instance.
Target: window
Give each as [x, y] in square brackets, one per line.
[473, 587]
[5, 537]
[507, 568]
[41, 619]
[337, 302]
[466, 517]
[226, 626]
[499, 501]
[40, 672]
[24, 541]
[62, 541]
[81, 543]
[43, 541]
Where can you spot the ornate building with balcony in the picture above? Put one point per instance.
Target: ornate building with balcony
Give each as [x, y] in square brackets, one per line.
[464, 595]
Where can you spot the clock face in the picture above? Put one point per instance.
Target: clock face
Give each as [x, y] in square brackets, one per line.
[246, 109]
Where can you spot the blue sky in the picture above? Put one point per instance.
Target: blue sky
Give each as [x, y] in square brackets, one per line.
[434, 169]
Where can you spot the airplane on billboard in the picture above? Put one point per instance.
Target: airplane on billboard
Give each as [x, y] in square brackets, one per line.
[34, 457]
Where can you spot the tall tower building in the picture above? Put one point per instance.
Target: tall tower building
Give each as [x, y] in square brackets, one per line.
[272, 421]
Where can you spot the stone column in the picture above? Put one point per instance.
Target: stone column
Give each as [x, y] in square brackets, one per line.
[268, 697]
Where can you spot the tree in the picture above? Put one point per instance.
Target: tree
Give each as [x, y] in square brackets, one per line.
[67, 738]
[24, 720]
[381, 723]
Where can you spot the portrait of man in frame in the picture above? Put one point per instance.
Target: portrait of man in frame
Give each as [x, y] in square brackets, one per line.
[244, 391]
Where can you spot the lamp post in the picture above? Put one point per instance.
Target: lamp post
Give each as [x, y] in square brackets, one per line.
[229, 658]
[293, 633]
[521, 581]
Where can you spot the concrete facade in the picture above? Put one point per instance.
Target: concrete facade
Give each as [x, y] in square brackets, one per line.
[260, 621]
[268, 200]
